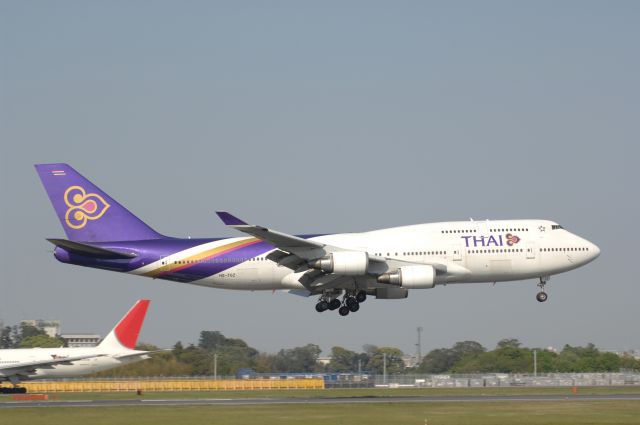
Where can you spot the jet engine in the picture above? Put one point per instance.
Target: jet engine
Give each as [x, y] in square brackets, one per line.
[412, 277]
[348, 263]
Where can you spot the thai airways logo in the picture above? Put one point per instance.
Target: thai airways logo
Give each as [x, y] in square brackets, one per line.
[83, 207]
[488, 241]
[512, 239]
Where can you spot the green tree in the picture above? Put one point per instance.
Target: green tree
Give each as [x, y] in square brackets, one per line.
[40, 340]
[443, 359]
[298, 359]
[395, 364]
[232, 353]
[160, 364]
[587, 359]
[18, 333]
[6, 341]
[508, 357]
[265, 363]
[343, 360]
[464, 348]
[199, 360]
[438, 361]
[509, 342]
[628, 362]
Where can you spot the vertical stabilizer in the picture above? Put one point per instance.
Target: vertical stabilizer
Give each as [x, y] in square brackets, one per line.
[87, 213]
[126, 332]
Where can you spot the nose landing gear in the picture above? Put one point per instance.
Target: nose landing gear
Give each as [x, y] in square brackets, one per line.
[542, 296]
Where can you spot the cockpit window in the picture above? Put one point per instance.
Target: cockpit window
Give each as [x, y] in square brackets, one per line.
[556, 227]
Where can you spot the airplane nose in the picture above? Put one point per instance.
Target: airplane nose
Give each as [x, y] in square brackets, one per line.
[595, 251]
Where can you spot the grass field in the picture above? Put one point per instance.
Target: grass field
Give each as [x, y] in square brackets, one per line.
[477, 413]
[564, 412]
[330, 393]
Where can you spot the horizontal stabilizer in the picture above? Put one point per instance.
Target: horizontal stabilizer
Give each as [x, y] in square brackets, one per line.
[91, 250]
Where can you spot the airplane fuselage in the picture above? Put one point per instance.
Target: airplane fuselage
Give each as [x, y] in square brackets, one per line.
[470, 251]
[100, 360]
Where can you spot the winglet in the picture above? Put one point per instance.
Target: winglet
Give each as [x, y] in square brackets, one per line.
[230, 220]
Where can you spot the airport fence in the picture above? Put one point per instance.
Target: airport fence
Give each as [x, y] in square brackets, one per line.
[332, 380]
[171, 384]
[508, 380]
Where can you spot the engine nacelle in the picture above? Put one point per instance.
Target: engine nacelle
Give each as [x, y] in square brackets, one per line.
[411, 277]
[348, 263]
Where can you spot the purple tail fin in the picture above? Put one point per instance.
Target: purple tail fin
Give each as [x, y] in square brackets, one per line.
[87, 213]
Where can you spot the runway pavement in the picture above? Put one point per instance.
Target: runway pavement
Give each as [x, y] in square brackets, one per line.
[318, 400]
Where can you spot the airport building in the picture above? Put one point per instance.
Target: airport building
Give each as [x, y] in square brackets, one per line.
[81, 340]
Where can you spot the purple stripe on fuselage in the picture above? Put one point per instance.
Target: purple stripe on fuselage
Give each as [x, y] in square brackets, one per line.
[218, 263]
[150, 251]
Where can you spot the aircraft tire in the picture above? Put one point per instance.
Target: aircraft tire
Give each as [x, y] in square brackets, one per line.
[322, 306]
[350, 301]
[344, 310]
[354, 307]
[541, 296]
[334, 304]
[361, 296]
[13, 390]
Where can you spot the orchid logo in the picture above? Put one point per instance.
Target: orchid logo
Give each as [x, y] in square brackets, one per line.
[83, 206]
[512, 239]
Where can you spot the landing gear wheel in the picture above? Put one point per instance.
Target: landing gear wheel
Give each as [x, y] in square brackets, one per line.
[13, 390]
[322, 306]
[361, 296]
[354, 307]
[542, 296]
[344, 310]
[350, 302]
[334, 304]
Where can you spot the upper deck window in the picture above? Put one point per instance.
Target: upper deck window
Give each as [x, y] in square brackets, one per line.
[556, 227]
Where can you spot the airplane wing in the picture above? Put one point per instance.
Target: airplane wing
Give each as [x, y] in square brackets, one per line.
[141, 353]
[298, 253]
[303, 248]
[27, 367]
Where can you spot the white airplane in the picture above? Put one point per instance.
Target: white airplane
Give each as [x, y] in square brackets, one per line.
[383, 263]
[115, 350]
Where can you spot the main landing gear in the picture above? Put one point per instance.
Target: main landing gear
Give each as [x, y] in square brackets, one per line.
[13, 390]
[350, 303]
[542, 296]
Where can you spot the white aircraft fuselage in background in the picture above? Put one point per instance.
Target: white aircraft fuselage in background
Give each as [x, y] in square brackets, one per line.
[116, 349]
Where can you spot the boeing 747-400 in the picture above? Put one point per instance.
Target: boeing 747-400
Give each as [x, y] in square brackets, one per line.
[341, 269]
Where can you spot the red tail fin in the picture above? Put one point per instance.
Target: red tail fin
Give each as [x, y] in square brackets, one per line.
[126, 332]
[128, 329]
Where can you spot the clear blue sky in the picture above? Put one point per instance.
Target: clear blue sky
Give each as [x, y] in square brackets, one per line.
[327, 117]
